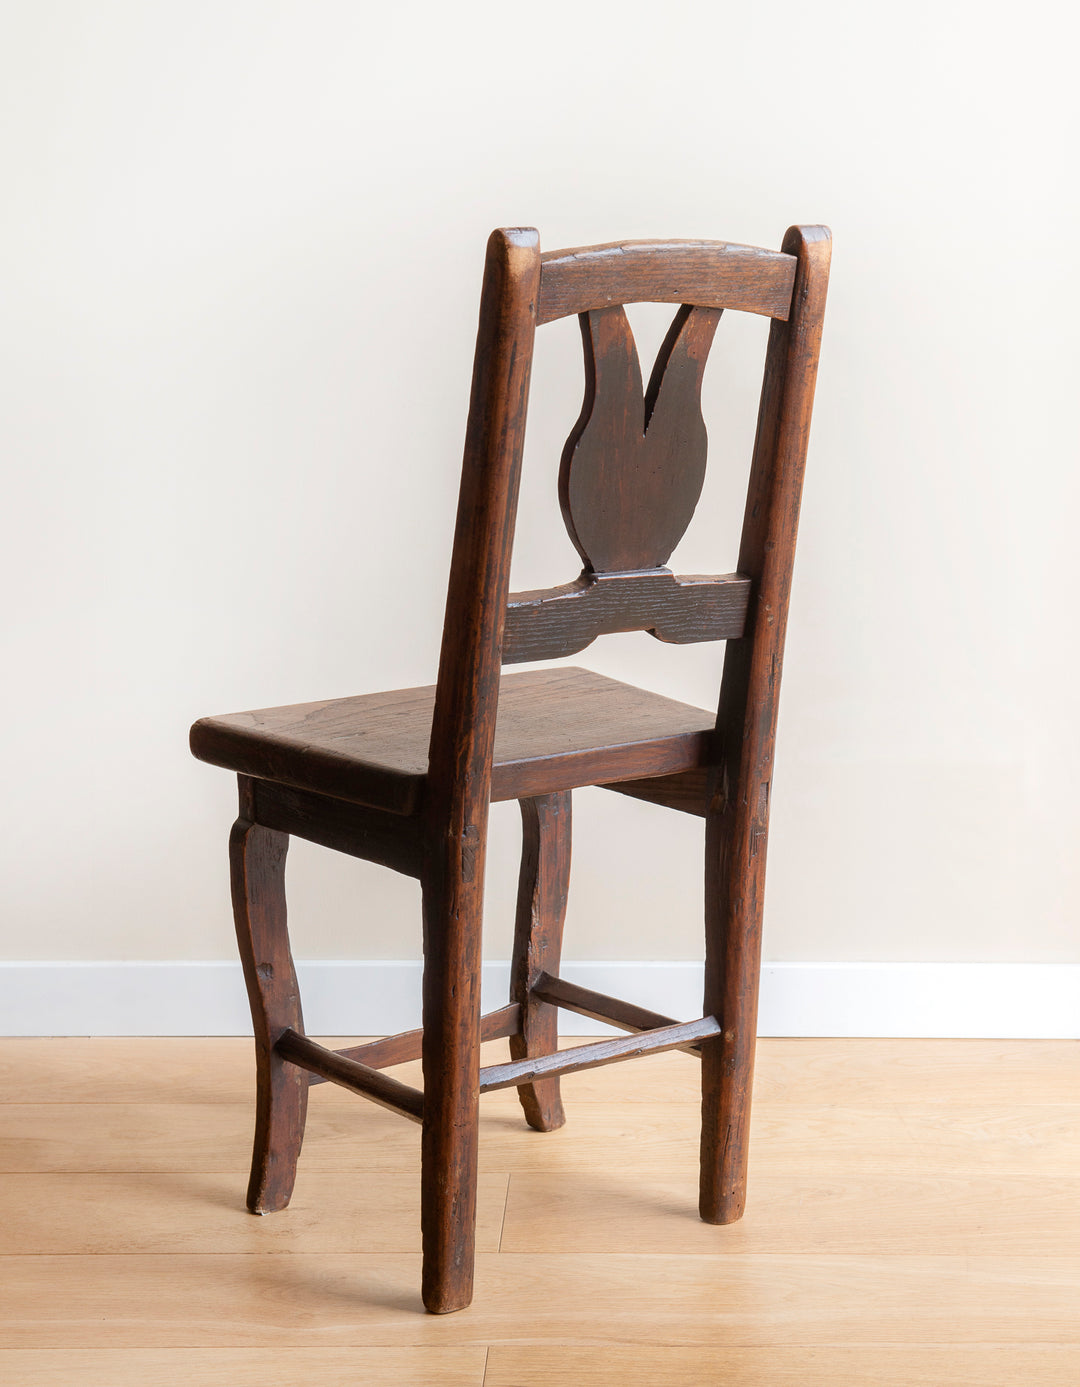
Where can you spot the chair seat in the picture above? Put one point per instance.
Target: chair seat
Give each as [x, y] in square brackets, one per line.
[557, 729]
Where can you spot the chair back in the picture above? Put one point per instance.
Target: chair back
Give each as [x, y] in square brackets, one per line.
[630, 478]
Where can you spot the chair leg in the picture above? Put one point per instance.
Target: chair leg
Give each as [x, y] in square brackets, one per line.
[732, 971]
[257, 857]
[541, 909]
[451, 1057]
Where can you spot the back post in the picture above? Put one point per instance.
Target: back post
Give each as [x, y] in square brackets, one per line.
[737, 815]
[459, 775]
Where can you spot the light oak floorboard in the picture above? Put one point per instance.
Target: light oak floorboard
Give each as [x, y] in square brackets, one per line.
[979, 1365]
[913, 1219]
[619, 1298]
[627, 1210]
[155, 1214]
[248, 1367]
[1027, 1140]
[805, 1072]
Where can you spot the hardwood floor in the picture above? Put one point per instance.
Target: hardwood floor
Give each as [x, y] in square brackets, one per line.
[914, 1219]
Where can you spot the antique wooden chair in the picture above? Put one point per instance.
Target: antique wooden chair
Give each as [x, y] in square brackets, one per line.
[405, 779]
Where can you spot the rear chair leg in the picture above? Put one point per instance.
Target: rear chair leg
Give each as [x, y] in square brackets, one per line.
[257, 858]
[541, 909]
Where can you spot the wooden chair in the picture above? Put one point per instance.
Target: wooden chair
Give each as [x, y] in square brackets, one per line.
[405, 778]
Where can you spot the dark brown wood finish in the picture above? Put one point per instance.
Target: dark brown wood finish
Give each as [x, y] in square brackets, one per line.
[675, 1037]
[634, 465]
[385, 838]
[711, 274]
[408, 1046]
[552, 623]
[688, 791]
[257, 859]
[556, 729]
[459, 783]
[737, 822]
[405, 778]
[350, 1074]
[600, 1007]
[541, 909]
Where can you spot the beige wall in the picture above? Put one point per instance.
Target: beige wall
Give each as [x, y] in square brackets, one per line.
[241, 249]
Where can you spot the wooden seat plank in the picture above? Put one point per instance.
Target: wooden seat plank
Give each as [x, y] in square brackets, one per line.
[556, 729]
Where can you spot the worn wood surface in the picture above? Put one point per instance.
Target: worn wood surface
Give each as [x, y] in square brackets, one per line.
[737, 821]
[406, 778]
[634, 464]
[392, 840]
[400, 1049]
[553, 623]
[600, 1007]
[557, 729]
[687, 791]
[351, 1074]
[459, 786]
[543, 885]
[598, 1053]
[712, 274]
[257, 860]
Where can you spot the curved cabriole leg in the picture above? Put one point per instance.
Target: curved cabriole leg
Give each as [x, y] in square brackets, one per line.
[541, 909]
[451, 1056]
[257, 857]
[732, 970]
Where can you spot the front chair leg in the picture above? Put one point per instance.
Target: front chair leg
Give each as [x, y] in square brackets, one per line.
[541, 909]
[257, 857]
[734, 876]
[451, 1056]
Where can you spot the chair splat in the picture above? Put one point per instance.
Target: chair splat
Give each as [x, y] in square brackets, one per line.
[634, 464]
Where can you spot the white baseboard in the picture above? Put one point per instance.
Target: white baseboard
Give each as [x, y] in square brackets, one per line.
[364, 997]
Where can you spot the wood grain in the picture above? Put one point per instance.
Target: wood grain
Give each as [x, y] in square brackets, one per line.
[737, 819]
[556, 729]
[419, 768]
[247, 1367]
[1036, 1141]
[543, 886]
[680, 1365]
[370, 1083]
[927, 1235]
[553, 623]
[1003, 1078]
[597, 1053]
[713, 274]
[634, 464]
[460, 778]
[408, 1045]
[388, 838]
[688, 791]
[622, 1298]
[203, 1214]
[849, 1211]
[583, 1001]
[257, 860]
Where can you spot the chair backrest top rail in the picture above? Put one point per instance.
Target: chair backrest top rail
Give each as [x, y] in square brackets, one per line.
[708, 274]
